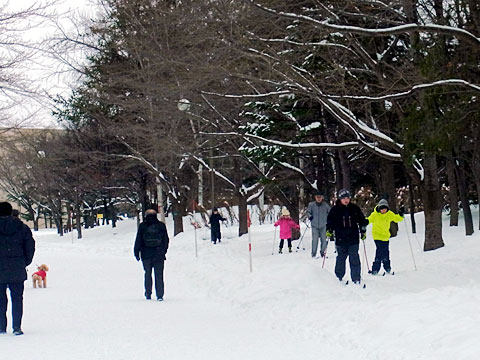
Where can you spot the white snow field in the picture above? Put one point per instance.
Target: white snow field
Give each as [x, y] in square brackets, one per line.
[214, 308]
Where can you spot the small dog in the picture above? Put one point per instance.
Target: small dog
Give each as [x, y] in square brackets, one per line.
[40, 277]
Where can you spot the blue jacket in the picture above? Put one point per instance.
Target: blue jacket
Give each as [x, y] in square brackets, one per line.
[17, 248]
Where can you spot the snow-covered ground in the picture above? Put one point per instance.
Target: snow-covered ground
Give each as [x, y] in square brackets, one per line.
[214, 308]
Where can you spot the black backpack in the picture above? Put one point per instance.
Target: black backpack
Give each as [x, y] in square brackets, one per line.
[152, 237]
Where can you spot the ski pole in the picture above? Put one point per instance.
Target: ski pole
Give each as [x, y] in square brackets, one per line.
[411, 250]
[274, 236]
[365, 254]
[301, 238]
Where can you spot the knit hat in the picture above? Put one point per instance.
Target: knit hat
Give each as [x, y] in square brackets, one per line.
[319, 193]
[383, 204]
[344, 193]
[285, 212]
[5, 209]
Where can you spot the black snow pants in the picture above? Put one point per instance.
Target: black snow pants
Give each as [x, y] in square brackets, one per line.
[382, 255]
[350, 251]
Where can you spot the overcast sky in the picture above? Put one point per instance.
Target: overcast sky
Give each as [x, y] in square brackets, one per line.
[42, 72]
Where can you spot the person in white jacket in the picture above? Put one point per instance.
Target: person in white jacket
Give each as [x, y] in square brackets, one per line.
[317, 214]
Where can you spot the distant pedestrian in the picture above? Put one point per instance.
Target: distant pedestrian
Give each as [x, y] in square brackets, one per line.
[17, 248]
[381, 218]
[317, 214]
[215, 218]
[346, 221]
[286, 224]
[151, 245]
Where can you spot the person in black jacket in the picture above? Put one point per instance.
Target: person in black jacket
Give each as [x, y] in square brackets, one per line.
[151, 245]
[346, 221]
[17, 248]
[215, 219]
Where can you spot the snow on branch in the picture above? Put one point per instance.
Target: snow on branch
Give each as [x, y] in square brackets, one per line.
[344, 145]
[447, 82]
[246, 96]
[407, 28]
[256, 195]
[323, 43]
[220, 175]
[348, 119]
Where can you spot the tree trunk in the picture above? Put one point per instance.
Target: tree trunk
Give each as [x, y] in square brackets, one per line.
[35, 223]
[389, 184]
[113, 214]
[78, 218]
[69, 218]
[59, 223]
[31, 212]
[338, 172]
[478, 202]
[411, 201]
[432, 204]
[178, 207]
[345, 168]
[241, 197]
[106, 213]
[242, 213]
[463, 189]
[453, 193]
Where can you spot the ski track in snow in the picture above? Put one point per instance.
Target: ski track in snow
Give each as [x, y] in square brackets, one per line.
[214, 308]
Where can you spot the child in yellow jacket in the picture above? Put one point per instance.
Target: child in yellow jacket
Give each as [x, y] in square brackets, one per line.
[381, 218]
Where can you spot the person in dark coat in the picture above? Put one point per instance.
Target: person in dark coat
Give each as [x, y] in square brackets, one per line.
[151, 245]
[215, 219]
[17, 248]
[346, 221]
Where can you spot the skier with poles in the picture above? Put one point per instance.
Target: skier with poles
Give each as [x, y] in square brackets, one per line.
[381, 217]
[347, 221]
[286, 224]
[317, 213]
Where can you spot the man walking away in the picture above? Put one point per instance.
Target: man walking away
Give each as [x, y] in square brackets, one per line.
[347, 221]
[17, 248]
[317, 213]
[151, 246]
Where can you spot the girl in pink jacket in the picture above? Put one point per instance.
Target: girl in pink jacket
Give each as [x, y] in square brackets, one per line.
[286, 224]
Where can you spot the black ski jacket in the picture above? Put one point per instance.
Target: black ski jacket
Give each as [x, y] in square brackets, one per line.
[152, 239]
[17, 248]
[347, 221]
[215, 221]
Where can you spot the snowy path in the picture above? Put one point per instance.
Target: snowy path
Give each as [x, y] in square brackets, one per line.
[102, 315]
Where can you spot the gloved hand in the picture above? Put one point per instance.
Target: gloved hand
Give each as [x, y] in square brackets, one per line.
[137, 257]
[310, 218]
[401, 211]
[329, 234]
[363, 236]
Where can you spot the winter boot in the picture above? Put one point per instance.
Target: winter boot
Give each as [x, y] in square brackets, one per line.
[289, 249]
[280, 251]
[17, 332]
